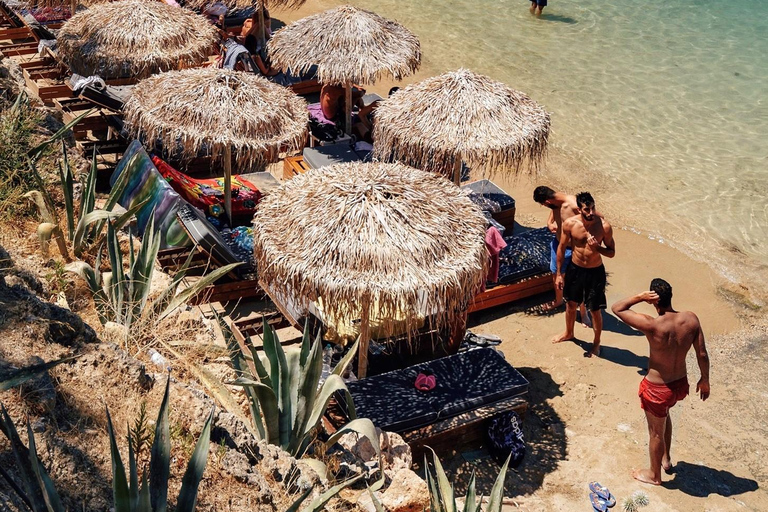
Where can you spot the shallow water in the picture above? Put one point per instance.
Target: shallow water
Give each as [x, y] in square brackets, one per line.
[659, 108]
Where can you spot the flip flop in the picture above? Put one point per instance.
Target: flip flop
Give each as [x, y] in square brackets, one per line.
[598, 503]
[600, 490]
[611, 502]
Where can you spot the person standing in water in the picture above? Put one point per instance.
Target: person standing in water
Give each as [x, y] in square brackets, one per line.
[670, 336]
[537, 6]
[591, 237]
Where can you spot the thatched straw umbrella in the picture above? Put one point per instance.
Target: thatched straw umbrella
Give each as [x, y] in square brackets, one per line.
[231, 115]
[348, 45]
[134, 38]
[461, 116]
[361, 234]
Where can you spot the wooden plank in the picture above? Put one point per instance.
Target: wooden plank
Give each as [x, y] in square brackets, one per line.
[10, 34]
[460, 432]
[293, 166]
[226, 292]
[242, 343]
[506, 293]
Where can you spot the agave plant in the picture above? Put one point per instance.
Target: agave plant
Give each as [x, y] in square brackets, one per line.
[36, 488]
[152, 494]
[286, 400]
[441, 494]
[121, 296]
[22, 375]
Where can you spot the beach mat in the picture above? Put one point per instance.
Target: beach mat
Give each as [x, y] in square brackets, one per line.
[525, 255]
[464, 382]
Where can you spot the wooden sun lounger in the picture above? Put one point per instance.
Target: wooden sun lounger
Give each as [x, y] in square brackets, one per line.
[506, 293]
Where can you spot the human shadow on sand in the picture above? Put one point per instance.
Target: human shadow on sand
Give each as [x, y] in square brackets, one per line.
[701, 481]
[545, 441]
[560, 18]
[617, 355]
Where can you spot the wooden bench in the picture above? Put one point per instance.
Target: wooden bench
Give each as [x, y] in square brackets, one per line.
[293, 166]
[506, 293]
[462, 432]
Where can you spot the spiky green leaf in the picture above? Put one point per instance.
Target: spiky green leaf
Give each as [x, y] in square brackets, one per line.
[22, 375]
[160, 461]
[195, 468]
[120, 493]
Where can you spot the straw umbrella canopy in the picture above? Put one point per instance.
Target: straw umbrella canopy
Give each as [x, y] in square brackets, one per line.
[358, 235]
[134, 38]
[234, 116]
[461, 116]
[348, 45]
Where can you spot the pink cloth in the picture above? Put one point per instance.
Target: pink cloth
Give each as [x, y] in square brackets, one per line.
[494, 243]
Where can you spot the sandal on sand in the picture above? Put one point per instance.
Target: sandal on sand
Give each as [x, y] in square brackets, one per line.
[598, 503]
[600, 490]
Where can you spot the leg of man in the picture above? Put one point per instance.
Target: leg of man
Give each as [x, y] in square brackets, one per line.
[597, 326]
[541, 8]
[570, 321]
[656, 428]
[666, 460]
[533, 7]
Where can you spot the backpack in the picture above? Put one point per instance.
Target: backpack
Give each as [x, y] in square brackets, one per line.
[505, 439]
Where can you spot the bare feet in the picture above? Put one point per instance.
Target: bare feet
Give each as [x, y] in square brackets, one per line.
[645, 476]
[563, 337]
[586, 319]
[594, 352]
[667, 466]
[552, 306]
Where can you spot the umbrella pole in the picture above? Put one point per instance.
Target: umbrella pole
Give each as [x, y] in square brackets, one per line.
[348, 107]
[457, 171]
[365, 339]
[228, 183]
[262, 31]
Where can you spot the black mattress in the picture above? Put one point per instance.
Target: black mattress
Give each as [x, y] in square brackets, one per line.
[525, 255]
[465, 381]
[488, 197]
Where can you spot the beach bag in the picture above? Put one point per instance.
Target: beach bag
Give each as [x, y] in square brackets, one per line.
[505, 439]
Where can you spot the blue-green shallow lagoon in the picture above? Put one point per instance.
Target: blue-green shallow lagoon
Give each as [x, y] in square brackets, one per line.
[660, 108]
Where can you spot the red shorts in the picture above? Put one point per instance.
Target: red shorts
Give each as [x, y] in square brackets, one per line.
[657, 399]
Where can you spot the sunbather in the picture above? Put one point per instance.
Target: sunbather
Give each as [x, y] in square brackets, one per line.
[332, 103]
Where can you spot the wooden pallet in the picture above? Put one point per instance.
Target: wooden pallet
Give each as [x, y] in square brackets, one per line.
[18, 49]
[71, 108]
[293, 166]
[506, 293]
[462, 432]
[45, 78]
[15, 33]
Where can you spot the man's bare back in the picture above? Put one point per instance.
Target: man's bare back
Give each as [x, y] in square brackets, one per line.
[670, 336]
[563, 212]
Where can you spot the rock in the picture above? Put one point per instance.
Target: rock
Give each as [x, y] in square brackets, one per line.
[396, 454]
[112, 332]
[14, 280]
[237, 465]
[407, 493]
[41, 387]
[160, 282]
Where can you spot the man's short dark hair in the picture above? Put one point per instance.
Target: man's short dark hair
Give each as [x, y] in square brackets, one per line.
[584, 199]
[664, 290]
[542, 193]
[393, 91]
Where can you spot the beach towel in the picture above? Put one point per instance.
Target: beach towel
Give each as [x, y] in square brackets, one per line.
[136, 179]
[494, 243]
[208, 195]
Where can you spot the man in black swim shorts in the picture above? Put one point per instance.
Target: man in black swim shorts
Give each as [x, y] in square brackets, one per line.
[538, 5]
[591, 237]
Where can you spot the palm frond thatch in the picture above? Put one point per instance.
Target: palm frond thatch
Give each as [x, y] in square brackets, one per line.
[134, 38]
[405, 240]
[245, 4]
[464, 115]
[214, 108]
[348, 45]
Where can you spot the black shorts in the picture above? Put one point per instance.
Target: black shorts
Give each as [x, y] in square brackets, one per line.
[540, 3]
[585, 285]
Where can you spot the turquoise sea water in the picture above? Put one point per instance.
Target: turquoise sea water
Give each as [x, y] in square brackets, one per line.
[660, 108]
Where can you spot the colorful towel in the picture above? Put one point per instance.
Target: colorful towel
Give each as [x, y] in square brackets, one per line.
[208, 195]
[137, 180]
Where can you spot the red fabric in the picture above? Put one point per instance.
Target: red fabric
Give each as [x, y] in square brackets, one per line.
[494, 243]
[425, 382]
[657, 399]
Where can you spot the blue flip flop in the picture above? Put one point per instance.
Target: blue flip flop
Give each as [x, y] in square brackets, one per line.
[600, 490]
[598, 503]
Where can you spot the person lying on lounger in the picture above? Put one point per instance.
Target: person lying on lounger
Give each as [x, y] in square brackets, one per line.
[332, 103]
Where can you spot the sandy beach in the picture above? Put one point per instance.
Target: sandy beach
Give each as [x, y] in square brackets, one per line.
[585, 421]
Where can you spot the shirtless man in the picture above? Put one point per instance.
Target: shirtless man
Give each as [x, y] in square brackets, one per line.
[591, 237]
[670, 336]
[332, 103]
[562, 206]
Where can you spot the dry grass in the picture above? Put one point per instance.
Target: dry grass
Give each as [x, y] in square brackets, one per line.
[385, 234]
[348, 45]
[461, 115]
[213, 108]
[134, 38]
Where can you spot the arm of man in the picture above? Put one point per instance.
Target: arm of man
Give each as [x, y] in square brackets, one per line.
[639, 321]
[702, 357]
[565, 241]
[551, 224]
[609, 251]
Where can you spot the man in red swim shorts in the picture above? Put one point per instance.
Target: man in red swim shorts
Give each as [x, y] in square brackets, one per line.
[670, 336]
